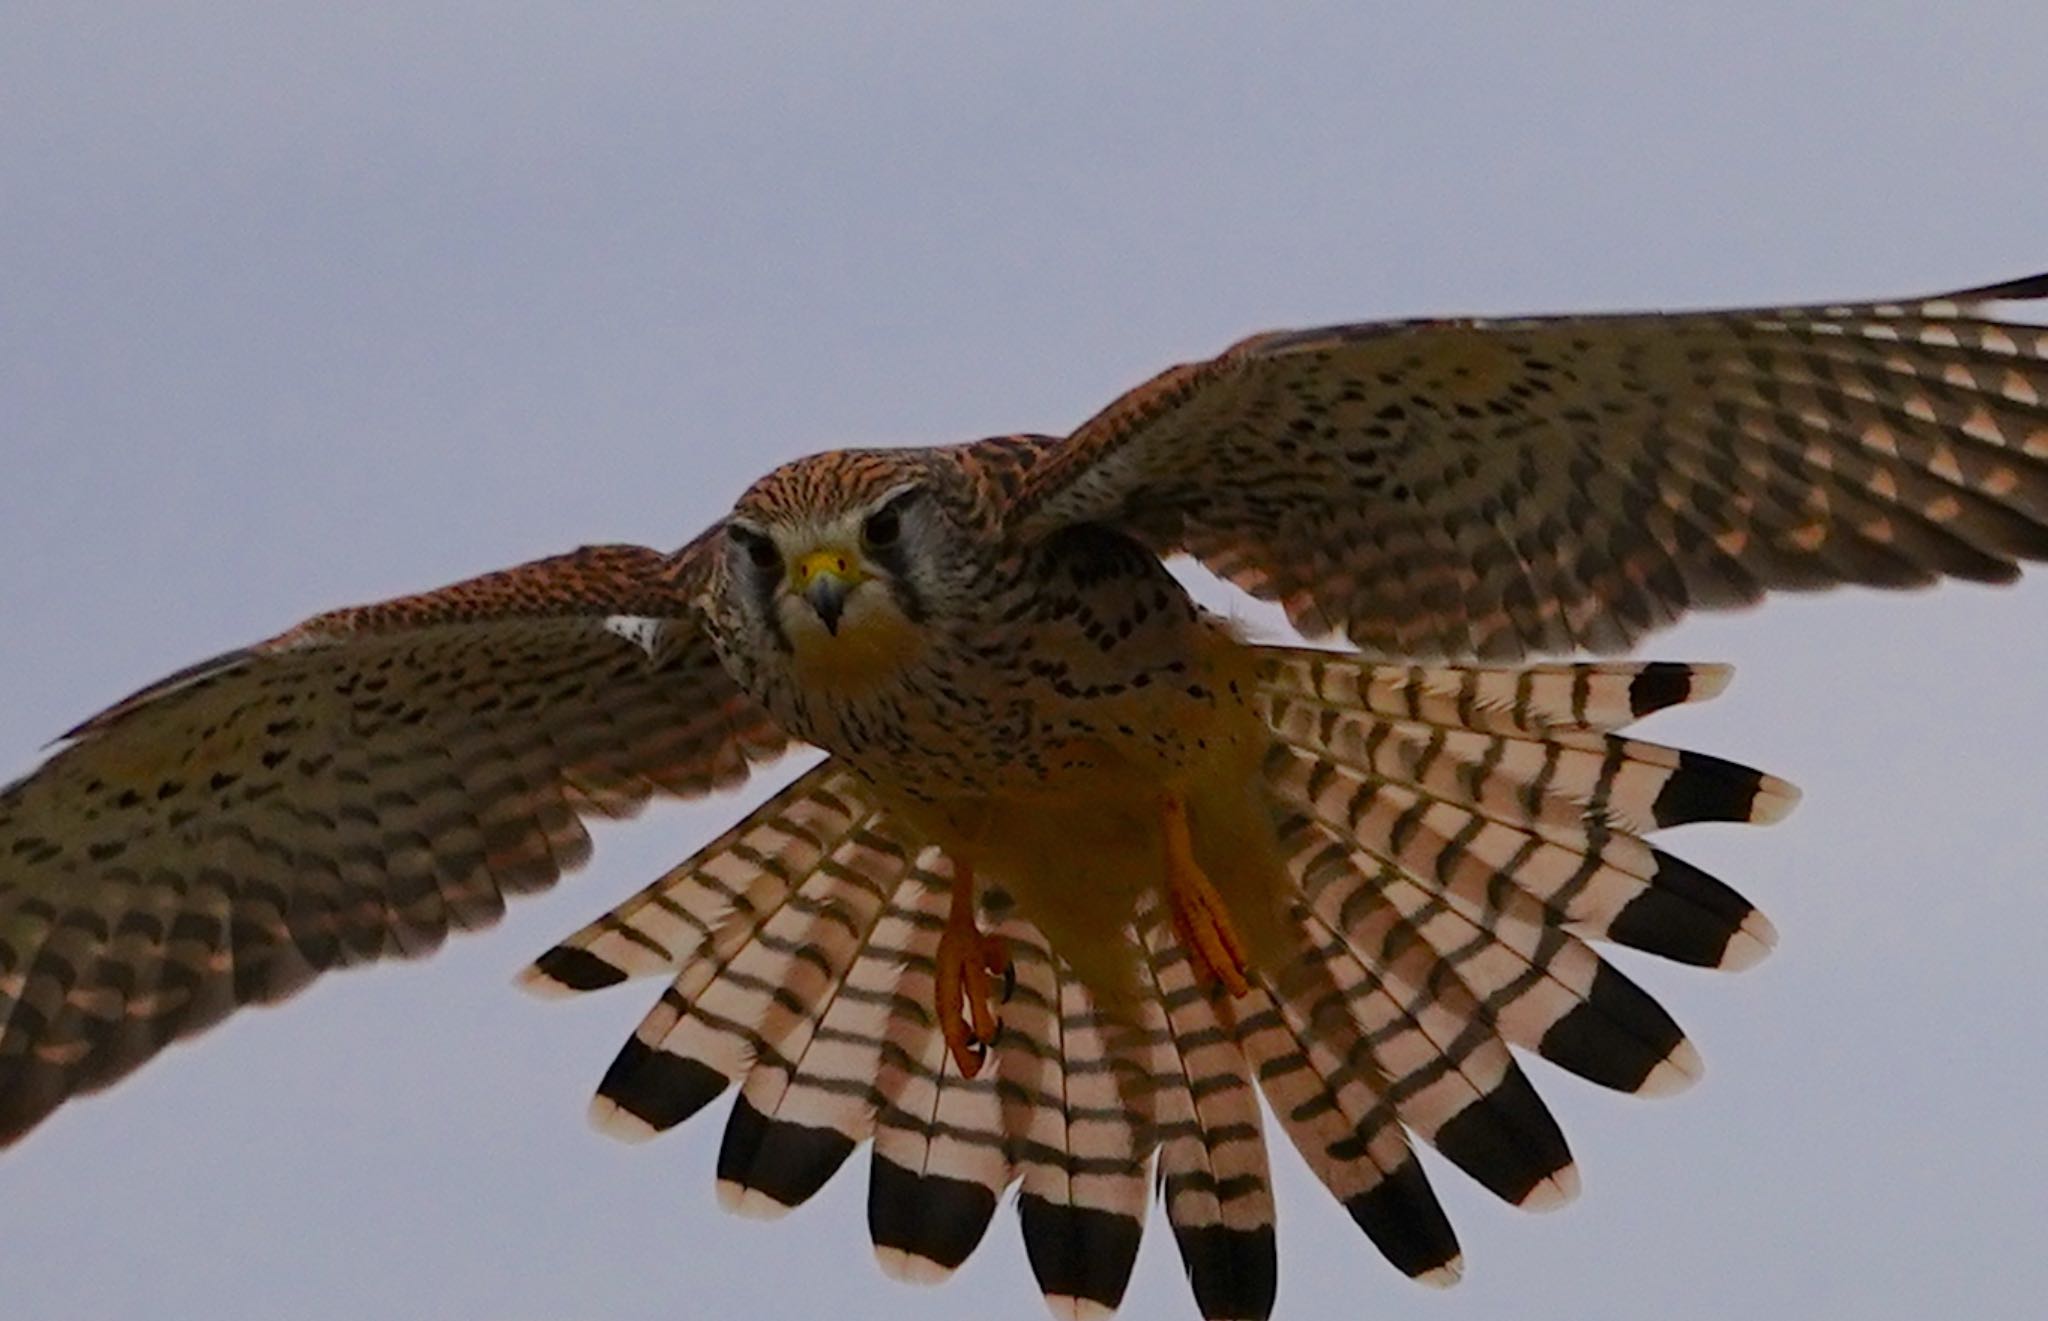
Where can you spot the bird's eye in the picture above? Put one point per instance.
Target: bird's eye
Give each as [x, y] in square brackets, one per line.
[882, 527]
[761, 552]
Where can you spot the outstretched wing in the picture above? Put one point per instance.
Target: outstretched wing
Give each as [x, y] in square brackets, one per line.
[350, 790]
[1505, 487]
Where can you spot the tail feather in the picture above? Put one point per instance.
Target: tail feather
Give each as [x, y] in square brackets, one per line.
[816, 1099]
[1446, 1072]
[1608, 884]
[1212, 1153]
[1531, 699]
[1540, 985]
[939, 1160]
[1555, 782]
[1347, 1134]
[1083, 1193]
[804, 1105]
[1453, 837]
[742, 995]
[719, 895]
[1491, 812]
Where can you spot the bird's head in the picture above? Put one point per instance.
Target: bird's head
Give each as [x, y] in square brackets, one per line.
[839, 563]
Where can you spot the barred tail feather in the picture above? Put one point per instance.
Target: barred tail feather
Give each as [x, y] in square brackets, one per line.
[803, 1110]
[1452, 836]
[1551, 782]
[1350, 1141]
[801, 946]
[740, 999]
[1538, 984]
[1083, 1214]
[726, 885]
[750, 923]
[1482, 821]
[1212, 1175]
[1446, 1074]
[1552, 812]
[1530, 699]
[939, 1160]
[1605, 884]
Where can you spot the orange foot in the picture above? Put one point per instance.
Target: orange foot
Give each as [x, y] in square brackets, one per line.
[967, 959]
[1199, 916]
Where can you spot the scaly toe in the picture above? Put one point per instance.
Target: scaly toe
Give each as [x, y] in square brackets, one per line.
[962, 989]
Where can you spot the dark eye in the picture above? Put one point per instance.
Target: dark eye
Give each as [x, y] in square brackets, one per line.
[761, 552]
[883, 527]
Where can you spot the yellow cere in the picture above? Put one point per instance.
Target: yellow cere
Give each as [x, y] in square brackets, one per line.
[841, 564]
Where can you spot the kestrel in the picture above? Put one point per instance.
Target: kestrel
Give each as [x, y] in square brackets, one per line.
[1083, 872]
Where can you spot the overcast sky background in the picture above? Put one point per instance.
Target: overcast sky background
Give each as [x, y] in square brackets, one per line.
[299, 309]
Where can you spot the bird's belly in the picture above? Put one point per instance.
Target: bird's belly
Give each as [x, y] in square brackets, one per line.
[1117, 731]
[1072, 826]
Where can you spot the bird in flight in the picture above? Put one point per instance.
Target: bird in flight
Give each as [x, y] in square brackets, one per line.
[1083, 873]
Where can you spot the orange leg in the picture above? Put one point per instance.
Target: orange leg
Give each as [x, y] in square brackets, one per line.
[967, 959]
[1199, 916]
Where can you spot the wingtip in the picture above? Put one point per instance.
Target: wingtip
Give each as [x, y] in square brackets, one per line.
[2027, 286]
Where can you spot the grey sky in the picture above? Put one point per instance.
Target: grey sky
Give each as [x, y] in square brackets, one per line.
[302, 308]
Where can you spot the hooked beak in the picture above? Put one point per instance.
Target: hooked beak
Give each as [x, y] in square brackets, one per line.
[825, 578]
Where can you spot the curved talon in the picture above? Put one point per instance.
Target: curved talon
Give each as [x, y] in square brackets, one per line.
[1200, 918]
[966, 960]
[1212, 946]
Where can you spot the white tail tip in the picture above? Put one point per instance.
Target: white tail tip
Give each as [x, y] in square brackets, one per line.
[909, 1268]
[1675, 1072]
[615, 1121]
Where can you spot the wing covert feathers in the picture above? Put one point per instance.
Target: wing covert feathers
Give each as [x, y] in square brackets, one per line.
[1509, 487]
[1455, 838]
[352, 790]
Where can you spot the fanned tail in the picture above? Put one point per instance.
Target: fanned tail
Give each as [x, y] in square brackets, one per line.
[1454, 836]
[802, 947]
